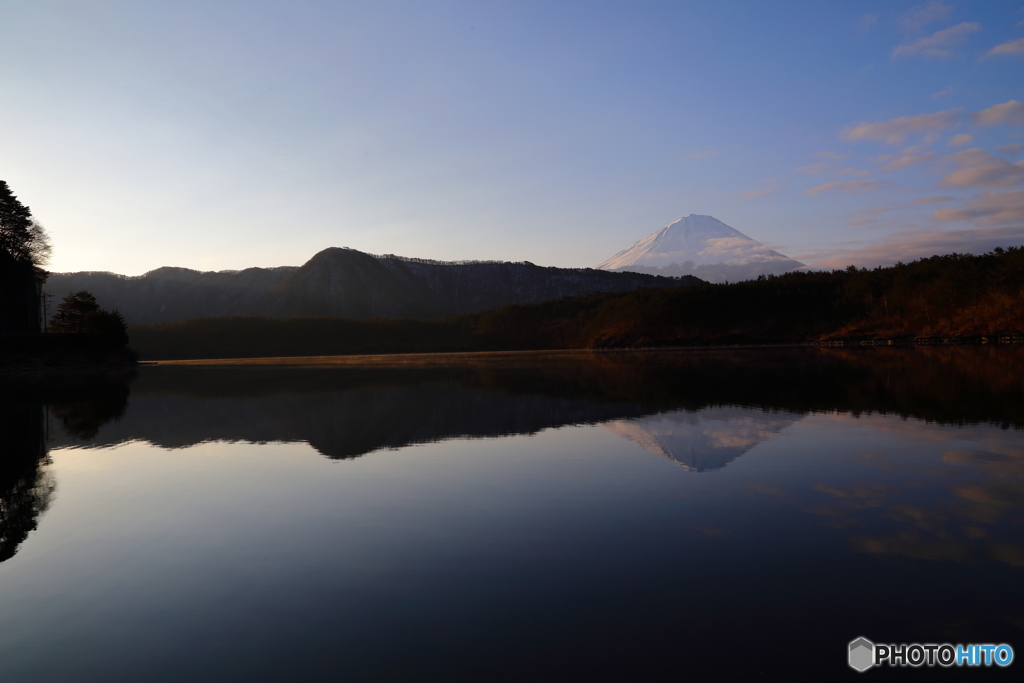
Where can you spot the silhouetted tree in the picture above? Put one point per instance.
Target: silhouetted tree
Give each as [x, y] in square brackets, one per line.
[79, 313]
[73, 311]
[108, 325]
[22, 238]
[24, 248]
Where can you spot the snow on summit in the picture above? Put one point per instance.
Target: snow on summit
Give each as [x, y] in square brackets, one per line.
[703, 246]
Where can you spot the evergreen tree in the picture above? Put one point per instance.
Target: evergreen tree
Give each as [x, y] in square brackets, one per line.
[79, 313]
[73, 312]
[21, 237]
[108, 325]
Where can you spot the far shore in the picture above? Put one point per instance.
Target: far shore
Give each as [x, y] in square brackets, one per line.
[499, 357]
[440, 358]
[398, 359]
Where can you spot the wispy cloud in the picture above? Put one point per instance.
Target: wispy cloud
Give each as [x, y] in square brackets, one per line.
[908, 160]
[857, 222]
[703, 154]
[939, 44]
[948, 90]
[933, 200]
[750, 194]
[896, 131]
[978, 168]
[860, 173]
[1011, 112]
[1012, 149]
[828, 154]
[991, 208]
[813, 169]
[1012, 47]
[736, 246]
[920, 16]
[846, 186]
[867, 22]
[960, 140]
[908, 246]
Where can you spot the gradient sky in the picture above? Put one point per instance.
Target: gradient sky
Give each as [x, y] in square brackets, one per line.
[227, 134]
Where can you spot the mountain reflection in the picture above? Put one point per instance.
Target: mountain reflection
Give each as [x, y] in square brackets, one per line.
[352, 409]
[708, 439]
[79, 404]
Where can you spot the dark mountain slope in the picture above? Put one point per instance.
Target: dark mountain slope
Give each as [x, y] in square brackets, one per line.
[472, 287]
[344, 283]
[168, 294]
[348, 284]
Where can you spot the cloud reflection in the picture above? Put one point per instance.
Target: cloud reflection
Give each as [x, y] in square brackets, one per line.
[934, 493]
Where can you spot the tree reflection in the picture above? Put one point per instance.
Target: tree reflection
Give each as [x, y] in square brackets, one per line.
[346, 408]
[29, 407]
[25, 490]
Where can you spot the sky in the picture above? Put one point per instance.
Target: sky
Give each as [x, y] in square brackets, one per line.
[238, 133]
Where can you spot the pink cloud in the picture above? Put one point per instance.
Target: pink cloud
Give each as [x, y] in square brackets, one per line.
[846, 186]
[920, 16]
[909, 246]
[813, 169]
[706, 154]
[750, 194]
[939, 44]
[895, 131]
[908, 160]
[829, 154]
[991, 208]
[1011, 112]
[1013, 47]
[978, 168]
[932, 200]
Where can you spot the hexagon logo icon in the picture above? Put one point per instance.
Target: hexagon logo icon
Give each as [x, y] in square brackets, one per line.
[862, 654]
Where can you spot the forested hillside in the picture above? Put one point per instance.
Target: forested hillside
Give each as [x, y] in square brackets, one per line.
[943, 296]
[345, 283]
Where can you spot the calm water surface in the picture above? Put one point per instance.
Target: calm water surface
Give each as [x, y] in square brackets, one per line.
[660, 516]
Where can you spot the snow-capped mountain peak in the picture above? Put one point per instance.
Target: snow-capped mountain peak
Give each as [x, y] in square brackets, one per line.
[703, 246]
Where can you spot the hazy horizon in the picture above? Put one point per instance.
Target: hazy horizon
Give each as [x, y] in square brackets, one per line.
[227, 136]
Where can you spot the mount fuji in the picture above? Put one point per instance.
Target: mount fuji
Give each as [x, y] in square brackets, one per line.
[702, 440]
[702, 246]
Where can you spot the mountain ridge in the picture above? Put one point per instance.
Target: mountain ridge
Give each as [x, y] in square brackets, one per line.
[343, 282]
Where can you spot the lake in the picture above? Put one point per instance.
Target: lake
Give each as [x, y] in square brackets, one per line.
[691, 515]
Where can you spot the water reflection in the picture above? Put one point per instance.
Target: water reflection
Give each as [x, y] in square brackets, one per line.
[80, 404]
[707, 439]
[346, 412]
[964, 506]
[24, 490]
[819, 514]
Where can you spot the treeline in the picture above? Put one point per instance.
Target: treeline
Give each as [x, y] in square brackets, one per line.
[943, 296]
[958, 385]
[80, 333]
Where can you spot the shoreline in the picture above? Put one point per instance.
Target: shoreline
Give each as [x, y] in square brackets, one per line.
[423, 359]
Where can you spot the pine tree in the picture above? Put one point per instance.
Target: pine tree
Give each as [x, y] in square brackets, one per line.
[79, 313]
[73, 312]
[21, 237]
